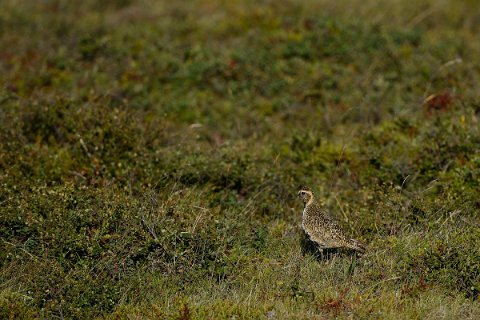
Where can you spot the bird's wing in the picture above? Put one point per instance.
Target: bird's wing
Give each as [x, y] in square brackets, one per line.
[336, 230]
[340, 239]
[314, 235]
[337, 234]
[327, 233]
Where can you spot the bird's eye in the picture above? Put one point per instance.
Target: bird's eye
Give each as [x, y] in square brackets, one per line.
[302, 192]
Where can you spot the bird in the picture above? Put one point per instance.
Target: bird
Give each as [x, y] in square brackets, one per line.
[323, 230]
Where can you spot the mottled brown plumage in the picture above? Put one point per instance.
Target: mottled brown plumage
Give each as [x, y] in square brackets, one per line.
[322, 229]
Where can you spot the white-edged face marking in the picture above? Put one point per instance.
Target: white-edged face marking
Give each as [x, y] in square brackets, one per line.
[306, 195]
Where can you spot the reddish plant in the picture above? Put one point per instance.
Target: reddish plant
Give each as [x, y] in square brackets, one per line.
[441, 101]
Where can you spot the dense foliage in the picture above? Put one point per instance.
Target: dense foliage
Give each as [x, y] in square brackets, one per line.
[151, 151]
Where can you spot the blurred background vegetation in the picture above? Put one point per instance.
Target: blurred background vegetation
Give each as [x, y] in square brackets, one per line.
[151, 151]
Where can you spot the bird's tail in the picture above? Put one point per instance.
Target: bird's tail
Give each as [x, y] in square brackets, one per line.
[357, 245]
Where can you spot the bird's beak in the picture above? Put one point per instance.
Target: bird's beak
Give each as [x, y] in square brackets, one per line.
[298, 193]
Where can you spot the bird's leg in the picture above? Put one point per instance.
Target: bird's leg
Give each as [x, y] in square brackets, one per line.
[320, 250]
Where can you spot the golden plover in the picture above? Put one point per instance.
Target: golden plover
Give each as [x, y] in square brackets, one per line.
[322, 229]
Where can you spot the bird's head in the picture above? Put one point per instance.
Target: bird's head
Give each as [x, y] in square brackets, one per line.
[306, 195]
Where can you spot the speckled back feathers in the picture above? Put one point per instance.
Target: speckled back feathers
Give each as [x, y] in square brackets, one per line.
[324, 230]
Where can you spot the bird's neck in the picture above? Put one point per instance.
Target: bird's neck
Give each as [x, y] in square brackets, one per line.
[312, 207]
[309, 202]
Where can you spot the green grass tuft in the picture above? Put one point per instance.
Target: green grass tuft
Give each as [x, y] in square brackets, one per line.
[151, 152]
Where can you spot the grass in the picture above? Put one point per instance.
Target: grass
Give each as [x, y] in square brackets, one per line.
[150, 154]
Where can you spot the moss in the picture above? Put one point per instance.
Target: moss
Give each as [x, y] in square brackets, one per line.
[15, 306]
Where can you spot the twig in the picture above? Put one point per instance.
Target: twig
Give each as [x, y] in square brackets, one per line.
[198, 207]
[422, 15]
[439, 70]
[432, 183]
[75, 173]
[341, 209]
[84, 146]
[403, 183]
[451, 215]
[149, 228]
[334, 173]
[380, 282]
[197, 220]
[24, 250]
